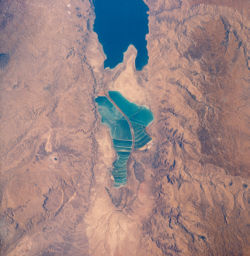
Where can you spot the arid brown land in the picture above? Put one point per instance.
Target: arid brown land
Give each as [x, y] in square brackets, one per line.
[187, 191]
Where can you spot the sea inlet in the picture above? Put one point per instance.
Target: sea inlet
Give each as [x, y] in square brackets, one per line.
[118, 24]
[127, 123]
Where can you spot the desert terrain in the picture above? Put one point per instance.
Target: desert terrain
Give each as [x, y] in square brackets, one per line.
[188, 190]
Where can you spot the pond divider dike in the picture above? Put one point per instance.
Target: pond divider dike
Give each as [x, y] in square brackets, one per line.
[127, 123]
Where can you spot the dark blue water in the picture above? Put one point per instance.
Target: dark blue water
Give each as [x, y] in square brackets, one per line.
[4, 60]
[118, 24]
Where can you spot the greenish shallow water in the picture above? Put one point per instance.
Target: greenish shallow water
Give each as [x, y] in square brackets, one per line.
[119, 117]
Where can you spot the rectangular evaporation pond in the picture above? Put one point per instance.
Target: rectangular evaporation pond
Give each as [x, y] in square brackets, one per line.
[140, 134]
[112, 117]
[120, 129]
[119, 117]
[122, 146]
[139, 117]
[134, 112]
[121, 136]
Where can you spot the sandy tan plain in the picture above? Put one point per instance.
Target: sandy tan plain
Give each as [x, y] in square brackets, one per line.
[187, 192]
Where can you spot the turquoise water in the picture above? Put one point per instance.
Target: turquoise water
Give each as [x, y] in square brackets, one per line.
[115, 117]
[118, 24]
[139, 117]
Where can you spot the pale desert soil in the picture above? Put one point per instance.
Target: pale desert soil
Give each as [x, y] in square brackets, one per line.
[187, 192]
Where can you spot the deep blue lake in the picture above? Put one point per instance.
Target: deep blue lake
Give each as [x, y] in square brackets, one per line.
[118, 24]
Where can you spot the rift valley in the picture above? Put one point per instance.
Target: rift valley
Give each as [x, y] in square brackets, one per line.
[187, 191]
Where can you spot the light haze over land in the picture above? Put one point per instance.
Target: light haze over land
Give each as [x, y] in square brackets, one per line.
[187, 190]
